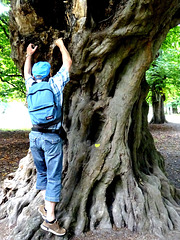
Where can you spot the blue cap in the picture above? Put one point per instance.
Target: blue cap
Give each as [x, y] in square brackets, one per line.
[41, 70]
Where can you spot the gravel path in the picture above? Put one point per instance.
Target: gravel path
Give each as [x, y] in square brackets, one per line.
[167, 141]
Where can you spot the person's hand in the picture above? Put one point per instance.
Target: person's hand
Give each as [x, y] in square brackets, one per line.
[31, 49]
[59, 42]
[66, 59]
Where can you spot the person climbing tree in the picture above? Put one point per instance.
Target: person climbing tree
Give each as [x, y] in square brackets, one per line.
[45, 142]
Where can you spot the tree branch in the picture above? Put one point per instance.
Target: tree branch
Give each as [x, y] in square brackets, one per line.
[7, 82]
[13, 85]
[4, 21]
[3, 28]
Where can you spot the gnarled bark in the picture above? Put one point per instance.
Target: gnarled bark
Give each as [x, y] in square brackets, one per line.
[121, 181]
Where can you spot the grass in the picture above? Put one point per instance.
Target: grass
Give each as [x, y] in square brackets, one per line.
[15, 130]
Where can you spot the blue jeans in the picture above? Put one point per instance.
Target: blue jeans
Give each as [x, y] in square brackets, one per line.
[47, 153]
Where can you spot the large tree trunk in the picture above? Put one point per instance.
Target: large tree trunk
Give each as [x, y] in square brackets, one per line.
[158, 108]
[113, 175]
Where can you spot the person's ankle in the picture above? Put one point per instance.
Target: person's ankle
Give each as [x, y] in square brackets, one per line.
[51, 222]
[50, 217]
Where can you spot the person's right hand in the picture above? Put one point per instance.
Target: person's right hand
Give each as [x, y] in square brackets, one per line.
[59, 42]
[31, 49]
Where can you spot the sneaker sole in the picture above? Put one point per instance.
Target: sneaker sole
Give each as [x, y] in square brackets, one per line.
[50, 230]
[44, 217]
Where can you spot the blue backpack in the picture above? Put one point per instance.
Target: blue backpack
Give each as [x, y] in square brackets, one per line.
[42, 107]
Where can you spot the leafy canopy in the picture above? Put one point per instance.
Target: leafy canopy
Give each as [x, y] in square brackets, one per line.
[164, 73]
[11, 81]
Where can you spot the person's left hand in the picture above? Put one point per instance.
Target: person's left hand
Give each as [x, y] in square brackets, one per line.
[31, 49]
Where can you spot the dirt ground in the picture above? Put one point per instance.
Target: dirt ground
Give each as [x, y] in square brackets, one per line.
[167, 141]
[14, 146]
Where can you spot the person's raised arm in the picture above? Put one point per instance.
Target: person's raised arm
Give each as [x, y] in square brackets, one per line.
[67, 62]
[27, 66]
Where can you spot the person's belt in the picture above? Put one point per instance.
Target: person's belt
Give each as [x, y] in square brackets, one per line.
[44, 130]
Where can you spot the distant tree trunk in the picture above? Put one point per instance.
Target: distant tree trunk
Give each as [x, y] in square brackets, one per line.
[113, 175]
[174, 108]
[158, 108]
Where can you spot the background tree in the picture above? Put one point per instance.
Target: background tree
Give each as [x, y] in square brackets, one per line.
[11, 82]
[164, 75]
[121, 181]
